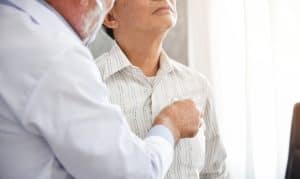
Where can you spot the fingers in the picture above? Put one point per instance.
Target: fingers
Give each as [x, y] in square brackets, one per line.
[183, 117]
[200, 102]
[196, 108]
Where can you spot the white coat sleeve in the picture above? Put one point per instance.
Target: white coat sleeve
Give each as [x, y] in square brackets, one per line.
[89, 136]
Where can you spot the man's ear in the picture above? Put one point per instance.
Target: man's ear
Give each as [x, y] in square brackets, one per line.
[110, 20]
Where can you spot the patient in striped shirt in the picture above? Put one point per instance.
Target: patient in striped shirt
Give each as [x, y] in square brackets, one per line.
[142, 79]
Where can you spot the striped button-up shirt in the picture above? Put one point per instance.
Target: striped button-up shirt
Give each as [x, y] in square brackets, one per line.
[142, 98]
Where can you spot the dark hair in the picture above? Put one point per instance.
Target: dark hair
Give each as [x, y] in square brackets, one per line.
[108, 31]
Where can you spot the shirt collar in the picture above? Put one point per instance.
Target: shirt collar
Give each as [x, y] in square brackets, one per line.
[117, 61]
[165, 64]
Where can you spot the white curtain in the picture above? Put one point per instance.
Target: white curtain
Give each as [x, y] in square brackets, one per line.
[250, 50]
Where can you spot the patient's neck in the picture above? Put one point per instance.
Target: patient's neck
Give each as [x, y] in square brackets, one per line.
[143, 50]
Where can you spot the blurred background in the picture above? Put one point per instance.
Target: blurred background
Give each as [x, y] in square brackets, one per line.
[250, 52]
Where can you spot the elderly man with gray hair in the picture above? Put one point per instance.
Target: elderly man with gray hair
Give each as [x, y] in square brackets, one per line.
[56, 121]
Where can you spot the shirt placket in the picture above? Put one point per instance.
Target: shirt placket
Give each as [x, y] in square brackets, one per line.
[138, 75]
[160, 94]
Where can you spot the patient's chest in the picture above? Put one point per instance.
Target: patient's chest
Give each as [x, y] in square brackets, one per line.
[141, 102]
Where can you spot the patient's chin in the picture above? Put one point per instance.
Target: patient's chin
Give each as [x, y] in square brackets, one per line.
[164, 27]
[166, 22]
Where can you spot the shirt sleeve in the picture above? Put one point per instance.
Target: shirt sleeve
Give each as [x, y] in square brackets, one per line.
[89, 136]
[162, 131]
[215, 154]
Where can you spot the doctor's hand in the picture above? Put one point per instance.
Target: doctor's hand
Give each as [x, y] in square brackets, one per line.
[183, 118]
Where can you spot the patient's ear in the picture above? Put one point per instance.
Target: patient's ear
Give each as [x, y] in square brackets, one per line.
[111, 21]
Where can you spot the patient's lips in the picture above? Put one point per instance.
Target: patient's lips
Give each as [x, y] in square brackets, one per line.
[164, 10]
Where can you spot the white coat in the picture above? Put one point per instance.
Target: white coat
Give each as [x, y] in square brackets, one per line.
[55, 118]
